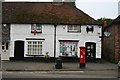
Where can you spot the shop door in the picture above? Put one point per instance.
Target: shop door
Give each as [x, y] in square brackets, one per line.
[5, 51]
[19, 50]
[90, 51]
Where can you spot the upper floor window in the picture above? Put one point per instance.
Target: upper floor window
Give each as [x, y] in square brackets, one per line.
[74, 28]
[89, 29]
[36, 28]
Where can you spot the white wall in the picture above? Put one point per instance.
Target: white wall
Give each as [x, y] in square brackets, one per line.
[83, 37]
[23, 31]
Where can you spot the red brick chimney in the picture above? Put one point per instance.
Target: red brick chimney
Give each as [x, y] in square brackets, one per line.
[105, 23]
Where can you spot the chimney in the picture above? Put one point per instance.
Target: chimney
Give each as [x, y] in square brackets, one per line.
[71, 2]
[63, 0]
[57, 0]
[105, 23]
[60, 2]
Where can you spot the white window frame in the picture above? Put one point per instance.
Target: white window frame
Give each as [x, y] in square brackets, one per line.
[36, 27]
[74, 28]
[32, 50]
[71, 48]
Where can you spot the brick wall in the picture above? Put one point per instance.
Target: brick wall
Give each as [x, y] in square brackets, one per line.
[111, 44]
[108, 45]
[119, 41]
[116, 42]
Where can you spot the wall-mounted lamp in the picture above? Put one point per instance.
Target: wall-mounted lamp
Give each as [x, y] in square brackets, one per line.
[107, 34]
[4, 25]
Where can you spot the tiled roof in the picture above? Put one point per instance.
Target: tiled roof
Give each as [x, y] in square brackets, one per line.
[117, 20]
[44, 12]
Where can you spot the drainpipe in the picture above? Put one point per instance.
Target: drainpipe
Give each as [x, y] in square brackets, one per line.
[55, 41]
[102, 49]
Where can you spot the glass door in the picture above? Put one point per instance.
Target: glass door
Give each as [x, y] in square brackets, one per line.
[90, 51]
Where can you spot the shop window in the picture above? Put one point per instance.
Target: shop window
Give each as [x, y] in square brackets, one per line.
[68, 48]
[34, 47]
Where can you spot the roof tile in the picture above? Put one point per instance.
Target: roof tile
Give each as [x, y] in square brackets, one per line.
[44, 12]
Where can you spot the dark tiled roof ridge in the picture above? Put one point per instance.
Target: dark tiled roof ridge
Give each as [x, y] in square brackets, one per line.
[117, 19]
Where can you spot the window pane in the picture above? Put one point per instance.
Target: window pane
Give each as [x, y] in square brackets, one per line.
[37, 27]
[33, 26]
[35, 48]
[70, 27]
[89, 28]
[74, 28]
[2, 43]
[3, 47]
[6, 46]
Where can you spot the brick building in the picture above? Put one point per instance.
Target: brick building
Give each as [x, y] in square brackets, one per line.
[111, 41]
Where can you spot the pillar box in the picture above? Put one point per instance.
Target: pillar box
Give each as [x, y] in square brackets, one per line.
[82, 57]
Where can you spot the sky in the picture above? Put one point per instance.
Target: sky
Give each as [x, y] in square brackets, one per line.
[94, 8]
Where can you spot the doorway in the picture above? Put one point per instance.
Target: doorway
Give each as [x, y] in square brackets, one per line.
[90, 51]
[5, 51]
[19, 50]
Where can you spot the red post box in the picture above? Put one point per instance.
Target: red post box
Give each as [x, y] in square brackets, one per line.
[82, 57]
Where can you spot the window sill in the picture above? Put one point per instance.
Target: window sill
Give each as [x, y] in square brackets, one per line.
[74, 31]
[69, 56]
[34, 55]
[36, 32]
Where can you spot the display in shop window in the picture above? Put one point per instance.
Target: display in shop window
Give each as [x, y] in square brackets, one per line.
[68, 48]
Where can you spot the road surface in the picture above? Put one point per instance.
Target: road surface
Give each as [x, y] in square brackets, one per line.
[60, 74]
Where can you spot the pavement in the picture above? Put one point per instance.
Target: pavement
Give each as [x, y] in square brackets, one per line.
[42, 66]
